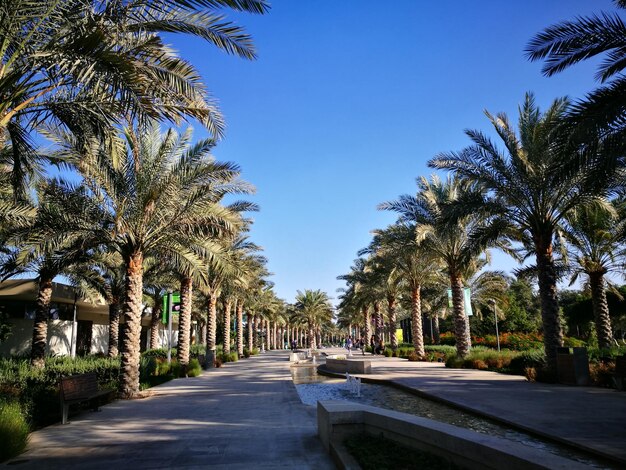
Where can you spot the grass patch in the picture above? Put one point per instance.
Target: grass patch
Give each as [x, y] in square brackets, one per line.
[13, 430]
[379, 453]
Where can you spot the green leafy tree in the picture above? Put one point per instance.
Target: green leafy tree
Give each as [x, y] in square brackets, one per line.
[157, 192]
[312, 308]
[600, 117]
[529, 189]
[83, 65]
[456, 241]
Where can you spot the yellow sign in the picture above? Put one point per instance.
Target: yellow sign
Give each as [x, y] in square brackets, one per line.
[399, 335]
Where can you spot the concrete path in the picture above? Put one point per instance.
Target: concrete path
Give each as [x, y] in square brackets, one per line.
[587, 417]
[241, 416]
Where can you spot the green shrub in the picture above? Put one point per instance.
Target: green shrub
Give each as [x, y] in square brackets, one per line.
[388, 352]
[160, 353]
[412, 356]
[196, 350]
[534, 358]
[573, 343]
[233, 357]
[255, 351]
[37, 390]
[194, 369]
[13, 430]
[246, 353]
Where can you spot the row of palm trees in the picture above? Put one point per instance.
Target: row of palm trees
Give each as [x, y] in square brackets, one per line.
[136, 211]
[551, 191]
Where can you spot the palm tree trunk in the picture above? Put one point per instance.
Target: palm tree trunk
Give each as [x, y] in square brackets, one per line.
[368, 325]
[227, 307]
[157, 312]
[275, 335]
[203, 333]
[391, 314]
[461, 323]
[552, 333]
[255, 329]
[211, 323]
[416, 320]
[312, 343]
[184, 321]
[601, 310]
[129, 368]
[378, 320]
[239, 313]
[40, 326]
[114, 328]
[250, 332]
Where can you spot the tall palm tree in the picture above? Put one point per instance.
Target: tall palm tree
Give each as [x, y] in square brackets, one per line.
[65, 232]
[529, 189]
[454, 241]
[595, 233]
[312, 308]
[84, 64]
[157, 192]
[398, 246]
[362, 293]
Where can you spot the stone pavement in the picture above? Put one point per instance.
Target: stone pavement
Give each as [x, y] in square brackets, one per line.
[243, 415]
[589, 418]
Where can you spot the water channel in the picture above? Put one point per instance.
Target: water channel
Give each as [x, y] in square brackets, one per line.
[313, 387]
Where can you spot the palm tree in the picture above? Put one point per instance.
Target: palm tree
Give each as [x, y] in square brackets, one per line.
[157, 193]
[312, 308]
[85, 64]
[454, 241]
[594, 233]
[64, 233]
[529, 190]
[362, 293]
[397, 245]
[600, 116]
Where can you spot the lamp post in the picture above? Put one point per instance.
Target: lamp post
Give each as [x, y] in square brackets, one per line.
[495, 316]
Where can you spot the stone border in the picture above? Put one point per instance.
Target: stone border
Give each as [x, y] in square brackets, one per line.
[594, 453]
[351, 366]
[338, 419]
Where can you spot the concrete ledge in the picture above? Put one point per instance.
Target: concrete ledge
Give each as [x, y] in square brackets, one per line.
[352, 366]
[338, 419]
[297, 356]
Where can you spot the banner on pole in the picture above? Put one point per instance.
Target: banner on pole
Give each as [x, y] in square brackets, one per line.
[467, 300]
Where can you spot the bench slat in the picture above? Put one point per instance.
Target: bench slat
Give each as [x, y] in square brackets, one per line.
[78, 388]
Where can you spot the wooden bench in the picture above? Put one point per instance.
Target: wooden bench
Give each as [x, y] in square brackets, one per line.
[80, 388]
[620, 372]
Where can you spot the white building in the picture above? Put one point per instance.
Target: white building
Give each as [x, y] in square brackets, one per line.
[91, 332]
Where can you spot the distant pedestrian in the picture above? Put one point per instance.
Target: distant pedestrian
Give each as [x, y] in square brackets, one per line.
[349, 345]
[362, 346]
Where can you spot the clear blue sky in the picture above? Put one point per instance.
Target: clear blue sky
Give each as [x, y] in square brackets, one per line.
[349, 99]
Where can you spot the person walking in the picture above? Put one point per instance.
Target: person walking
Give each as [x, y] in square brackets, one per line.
[349, 345]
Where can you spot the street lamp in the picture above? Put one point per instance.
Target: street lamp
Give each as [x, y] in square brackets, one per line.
[495, 316]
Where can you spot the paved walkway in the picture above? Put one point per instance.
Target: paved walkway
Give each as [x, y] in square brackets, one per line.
[243, 415]
[588, 417]
[248, 414]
